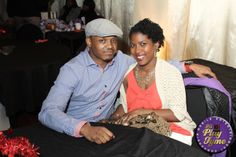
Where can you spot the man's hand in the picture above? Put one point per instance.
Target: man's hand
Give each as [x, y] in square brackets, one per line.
[97, 134]
[201, 70]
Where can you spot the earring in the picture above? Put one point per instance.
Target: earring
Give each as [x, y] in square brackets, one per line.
[155, 53]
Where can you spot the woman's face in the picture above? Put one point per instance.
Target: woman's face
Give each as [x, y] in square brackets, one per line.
[143, 49]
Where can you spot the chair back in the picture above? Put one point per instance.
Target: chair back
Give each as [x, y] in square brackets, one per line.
[207, 97]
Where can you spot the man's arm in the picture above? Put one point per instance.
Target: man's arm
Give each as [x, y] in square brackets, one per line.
[199, 70]
[52, 113]
[202, 71]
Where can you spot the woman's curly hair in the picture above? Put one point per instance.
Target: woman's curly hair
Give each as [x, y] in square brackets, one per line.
[149, 28]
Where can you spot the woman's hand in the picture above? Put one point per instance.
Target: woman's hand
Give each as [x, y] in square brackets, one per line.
[124, 120]
[118, 113]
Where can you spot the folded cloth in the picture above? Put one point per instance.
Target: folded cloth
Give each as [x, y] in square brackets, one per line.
[4, 121]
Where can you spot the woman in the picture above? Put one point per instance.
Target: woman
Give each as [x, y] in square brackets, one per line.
[153, 85]
[70, 11]
[88, 11]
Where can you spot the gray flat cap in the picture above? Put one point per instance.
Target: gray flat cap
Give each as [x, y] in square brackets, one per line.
[102, 28]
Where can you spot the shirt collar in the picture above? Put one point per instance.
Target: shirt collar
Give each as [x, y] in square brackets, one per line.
[89, 61]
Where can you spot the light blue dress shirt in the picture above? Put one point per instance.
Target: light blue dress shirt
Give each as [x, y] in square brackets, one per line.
[84, 92]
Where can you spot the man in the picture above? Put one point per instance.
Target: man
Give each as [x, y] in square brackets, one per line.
[86, 87]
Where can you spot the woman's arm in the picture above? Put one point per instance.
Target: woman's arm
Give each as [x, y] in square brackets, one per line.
[166, 114]
[118, 113]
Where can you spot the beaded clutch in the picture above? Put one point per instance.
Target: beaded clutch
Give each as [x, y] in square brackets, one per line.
[151, 121]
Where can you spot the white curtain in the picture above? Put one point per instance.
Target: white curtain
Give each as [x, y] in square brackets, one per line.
[120, 12]
[212, 31]
[195, 28]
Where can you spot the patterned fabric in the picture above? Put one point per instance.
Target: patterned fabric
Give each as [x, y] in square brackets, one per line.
[151, 121]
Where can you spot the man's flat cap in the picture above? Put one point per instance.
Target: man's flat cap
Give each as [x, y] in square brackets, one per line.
[102, 28]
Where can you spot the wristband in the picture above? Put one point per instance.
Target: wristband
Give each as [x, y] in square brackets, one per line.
[187, 66]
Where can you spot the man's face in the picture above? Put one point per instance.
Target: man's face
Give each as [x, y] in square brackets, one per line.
[102, 49]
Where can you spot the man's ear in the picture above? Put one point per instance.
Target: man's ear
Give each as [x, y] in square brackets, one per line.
[88, 41]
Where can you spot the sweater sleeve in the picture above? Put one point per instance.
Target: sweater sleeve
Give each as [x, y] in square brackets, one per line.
[171, 89]
[122, 99]
[177, 100]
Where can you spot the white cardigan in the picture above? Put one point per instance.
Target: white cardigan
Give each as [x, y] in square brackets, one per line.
[171, 90]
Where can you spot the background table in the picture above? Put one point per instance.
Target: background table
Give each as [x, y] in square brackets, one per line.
[74, 40]
[27, 74]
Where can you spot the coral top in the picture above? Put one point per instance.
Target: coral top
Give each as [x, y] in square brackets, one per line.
[147, 99]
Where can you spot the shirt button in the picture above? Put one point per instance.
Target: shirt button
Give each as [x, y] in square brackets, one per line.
[105, 86]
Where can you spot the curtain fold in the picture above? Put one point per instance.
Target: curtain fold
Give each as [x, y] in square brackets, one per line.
[120, 12]
[203, 29]
[210, 31]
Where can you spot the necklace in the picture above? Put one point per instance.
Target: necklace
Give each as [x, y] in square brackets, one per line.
[144, 79]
